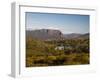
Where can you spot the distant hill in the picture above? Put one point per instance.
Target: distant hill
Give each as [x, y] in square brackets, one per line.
[50, 34]
[76, 35]
[71, 36]
[84, 36]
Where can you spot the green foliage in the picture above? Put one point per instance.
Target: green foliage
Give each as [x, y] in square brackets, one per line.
[43, 53]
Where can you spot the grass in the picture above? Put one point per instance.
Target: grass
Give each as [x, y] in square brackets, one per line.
[41, 53]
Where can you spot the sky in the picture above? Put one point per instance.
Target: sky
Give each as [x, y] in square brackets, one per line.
[66, 23]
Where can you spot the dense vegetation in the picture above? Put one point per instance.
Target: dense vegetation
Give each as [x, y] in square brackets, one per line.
[48, 53]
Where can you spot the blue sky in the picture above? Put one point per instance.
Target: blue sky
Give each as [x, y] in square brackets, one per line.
[67, 23]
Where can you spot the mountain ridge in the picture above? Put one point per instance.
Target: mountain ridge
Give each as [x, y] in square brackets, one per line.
[52, 34]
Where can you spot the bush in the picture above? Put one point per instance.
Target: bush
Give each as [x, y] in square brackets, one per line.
[43, 53]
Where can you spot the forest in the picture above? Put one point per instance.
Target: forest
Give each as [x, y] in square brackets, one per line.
[57, 52]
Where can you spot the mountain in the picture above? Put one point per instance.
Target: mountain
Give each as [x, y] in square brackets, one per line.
[71, 36]
[44, 34]
[76, 35]
[86, 36]
[51, 34]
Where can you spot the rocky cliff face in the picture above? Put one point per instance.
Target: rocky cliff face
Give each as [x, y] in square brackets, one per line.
[44, 34]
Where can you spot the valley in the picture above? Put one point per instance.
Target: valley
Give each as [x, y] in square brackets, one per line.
[46, 47]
